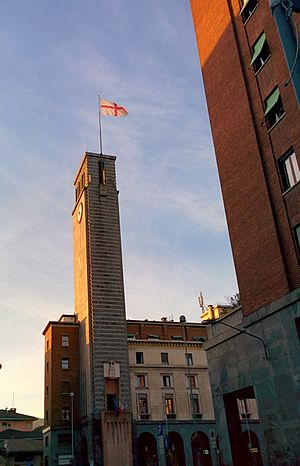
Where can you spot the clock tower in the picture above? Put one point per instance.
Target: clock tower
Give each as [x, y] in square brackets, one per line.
[105, 403]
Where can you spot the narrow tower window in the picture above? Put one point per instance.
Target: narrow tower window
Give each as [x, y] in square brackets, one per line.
[102, 173]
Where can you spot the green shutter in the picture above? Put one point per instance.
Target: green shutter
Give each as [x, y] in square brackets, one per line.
[258, 48]
[272, 100]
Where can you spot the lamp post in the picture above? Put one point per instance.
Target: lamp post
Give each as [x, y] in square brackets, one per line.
[72, 424]
[240, 330]
[183, 321]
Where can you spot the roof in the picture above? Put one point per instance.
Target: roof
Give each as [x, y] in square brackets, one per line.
[23, 445]
[12, 415]
[17, 434]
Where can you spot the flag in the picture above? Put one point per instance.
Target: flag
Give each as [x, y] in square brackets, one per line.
[110, 108]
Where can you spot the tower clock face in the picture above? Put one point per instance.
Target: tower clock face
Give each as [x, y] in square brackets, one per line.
[79, 213]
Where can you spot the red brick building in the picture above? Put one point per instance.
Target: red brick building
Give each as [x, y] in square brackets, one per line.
[62, 400]
[251, 70]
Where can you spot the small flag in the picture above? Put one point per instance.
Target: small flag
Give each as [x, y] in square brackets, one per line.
[112, 109]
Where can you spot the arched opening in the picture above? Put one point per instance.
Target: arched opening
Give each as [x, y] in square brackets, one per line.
[175, 452]
[250, 449]
[201, 449]
[84, 451]
[147, 450]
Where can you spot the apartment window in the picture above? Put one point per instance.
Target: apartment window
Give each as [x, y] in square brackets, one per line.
[4, 424]
[189, 359]
[65, 340]
[65, 414]
[248, 8]
[64, 439]
[139, 358]
[289, 170]
[141, 380]
[164, 358]
[167, 381]
[191, 381]
[244, 408]
[143, 408]
[260, 53]
[273, 108]
[65, 388]
[169, 406]
[65, 364]
[196, 411]
[47, 391]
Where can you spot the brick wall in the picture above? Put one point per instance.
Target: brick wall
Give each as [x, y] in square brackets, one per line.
[258, 215]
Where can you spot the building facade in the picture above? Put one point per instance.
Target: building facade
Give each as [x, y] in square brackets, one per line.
[11, 419]
[250, 65]
[171, 397]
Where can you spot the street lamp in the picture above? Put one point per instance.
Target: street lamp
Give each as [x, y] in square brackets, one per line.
[240, 330]
[182, 319]
[72, 423]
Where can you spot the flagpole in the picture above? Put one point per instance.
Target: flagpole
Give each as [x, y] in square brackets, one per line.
[100, 129]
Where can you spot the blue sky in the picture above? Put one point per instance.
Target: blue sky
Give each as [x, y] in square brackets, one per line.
[55, 58]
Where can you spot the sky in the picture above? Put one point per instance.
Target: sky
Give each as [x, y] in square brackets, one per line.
[56, 57]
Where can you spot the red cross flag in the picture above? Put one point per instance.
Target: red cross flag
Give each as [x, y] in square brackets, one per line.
[110, 108]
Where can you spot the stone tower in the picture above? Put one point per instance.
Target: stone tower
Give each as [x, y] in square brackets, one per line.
[100, 308]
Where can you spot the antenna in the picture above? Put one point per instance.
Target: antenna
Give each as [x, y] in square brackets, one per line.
[13, 400]
[202, 306]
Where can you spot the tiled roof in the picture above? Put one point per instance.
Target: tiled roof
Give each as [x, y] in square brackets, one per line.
[23, 445]
[17, 434]
[11, 415]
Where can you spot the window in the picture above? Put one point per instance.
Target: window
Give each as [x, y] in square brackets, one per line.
[273, 108]
[47, 415]
[260, 53]
[139, 358]
[191, 381]
[141, 380]
[47, 367]
[177, 337]
[196, 411]
[102, 173]
[244, 408]
[65, 363]
[143, 409]
[4, 424]
[64, 439]
[169, 406]
[248, 8]
[65, 414]
[65, 340]
[189, 359]
[289, 170]
[297, 234]
[131, 336]
[47, 345]
[46, 441]
[65, 388]
[153, 336]
[164, 358]
[167, 381]
[47, 391]
[297, 323]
